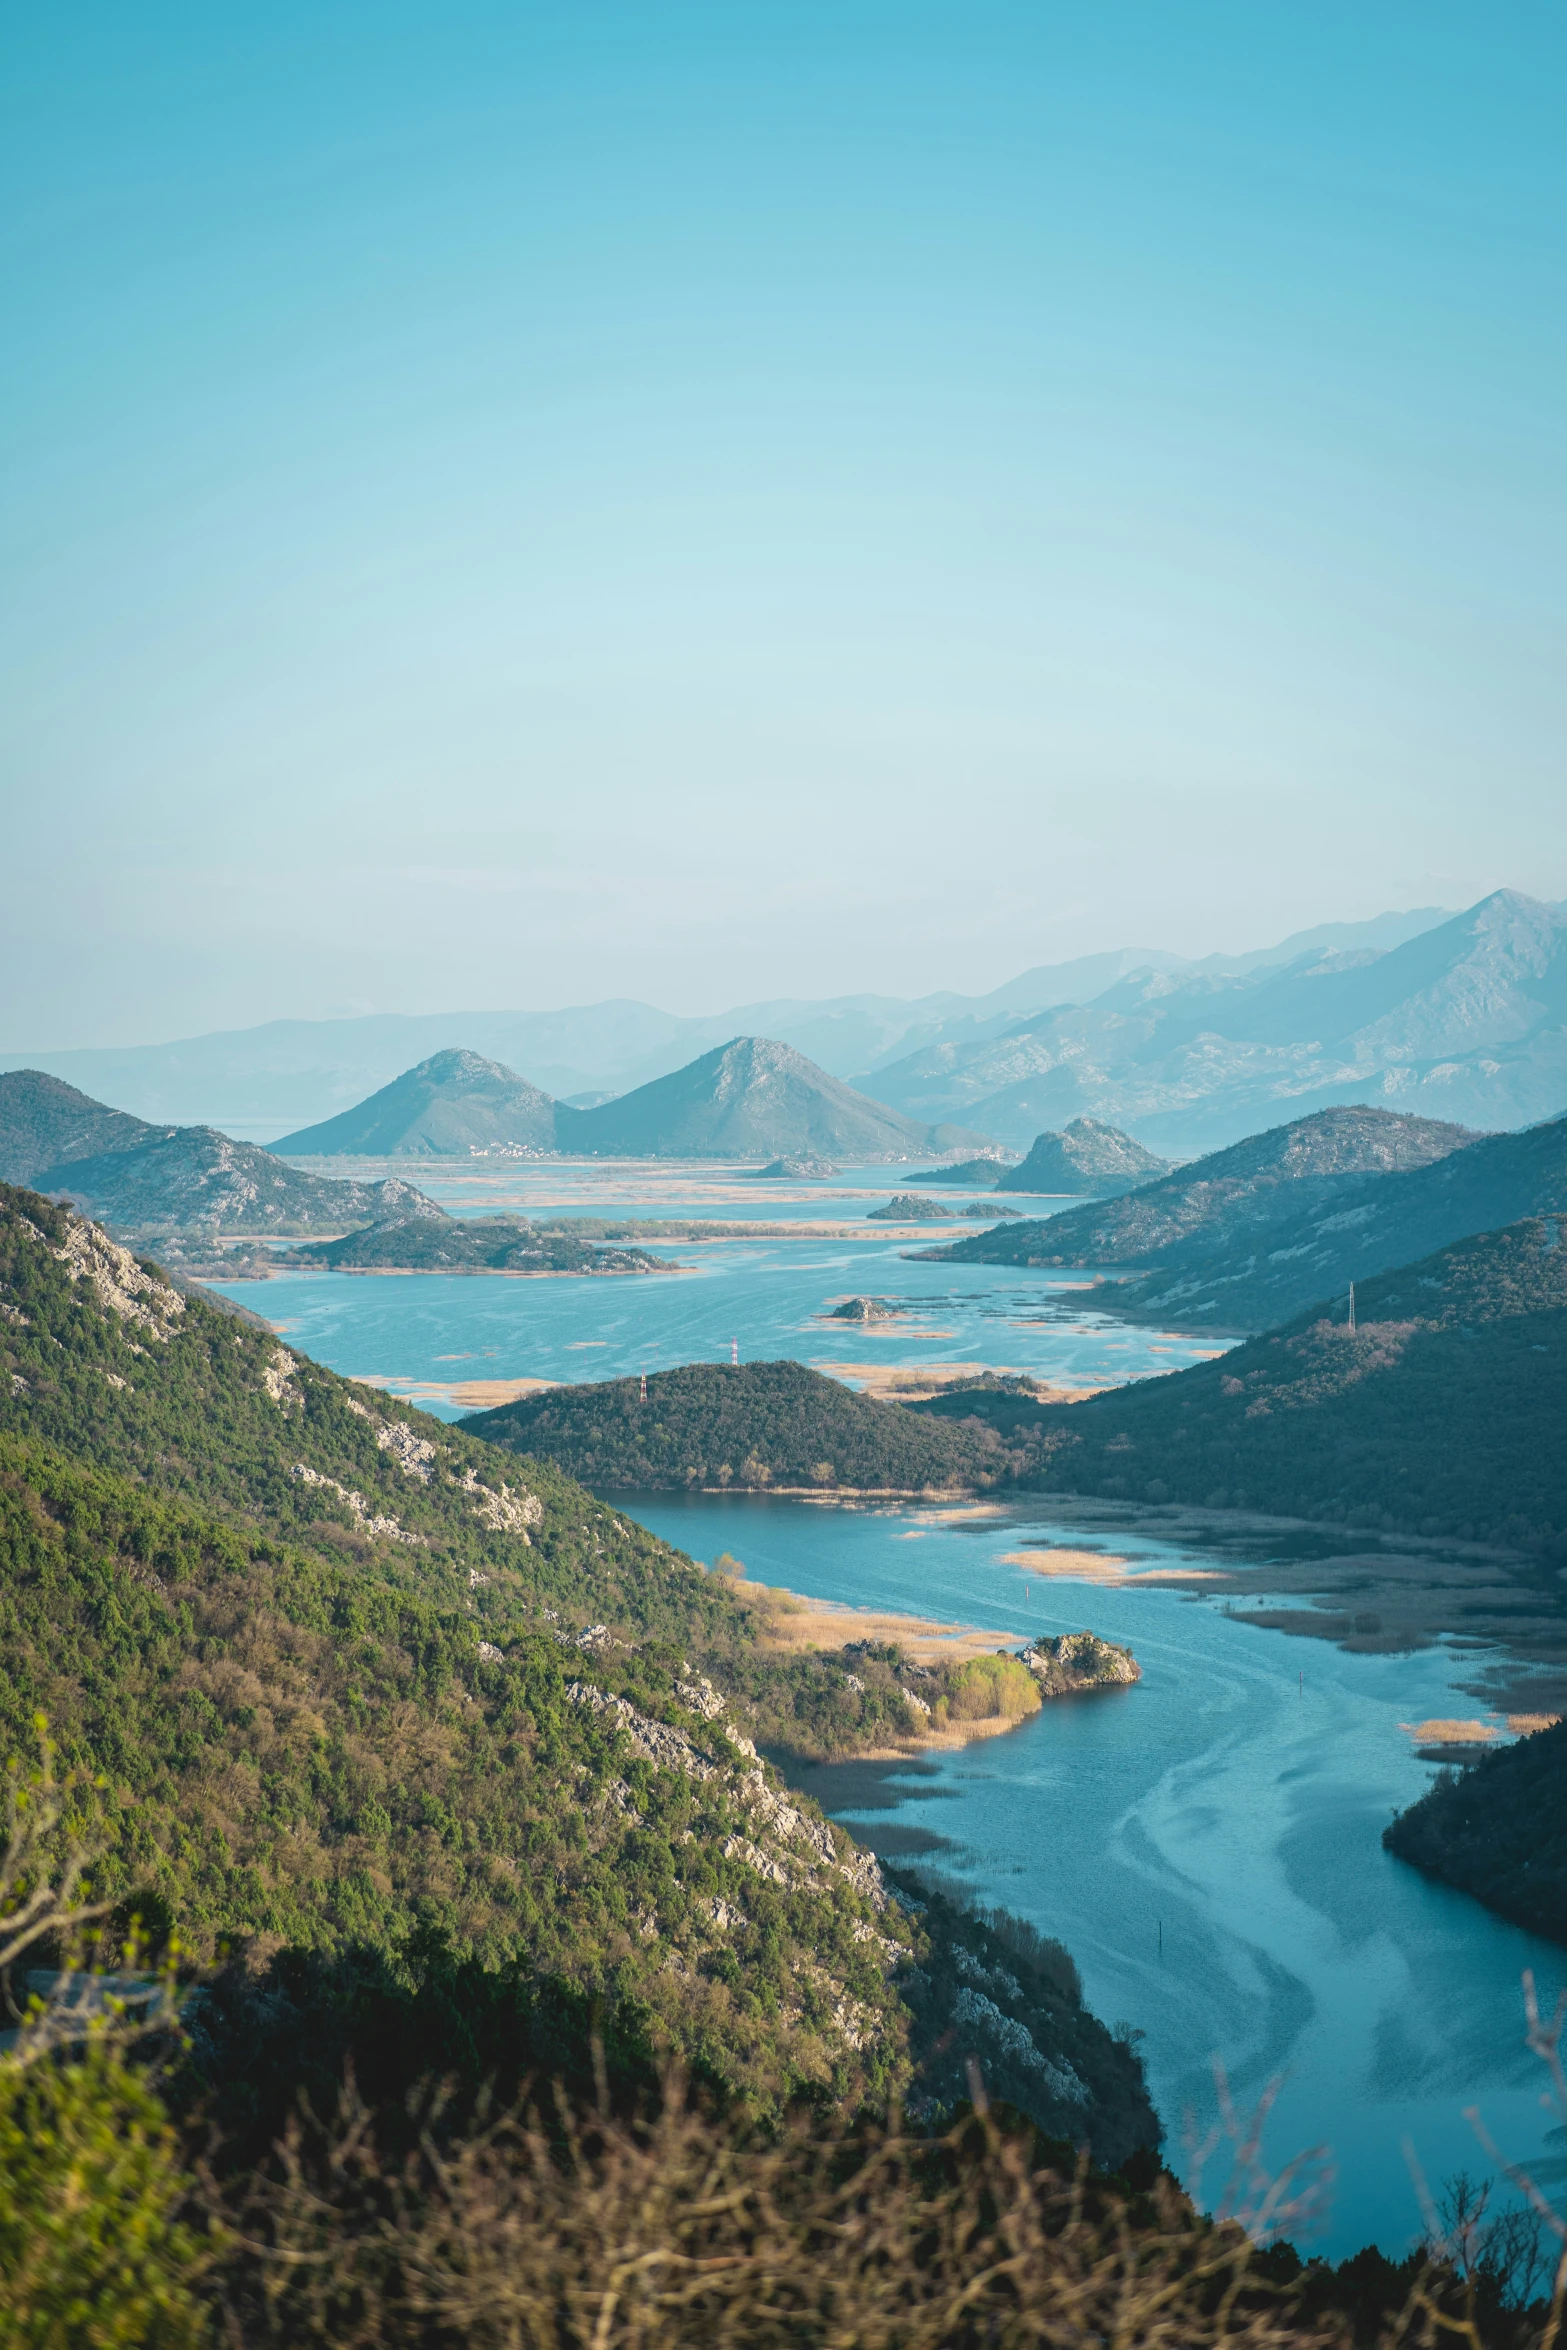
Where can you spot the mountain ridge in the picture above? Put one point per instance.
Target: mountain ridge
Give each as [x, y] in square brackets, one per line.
[1467, 1021]
[448, 1106]
[1234, 1196]
[1086, 1156]
[752, 1098]
[285, 1074]
[1438, 1413]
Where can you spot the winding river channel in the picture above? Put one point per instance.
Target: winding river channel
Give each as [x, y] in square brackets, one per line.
[1207, 1844]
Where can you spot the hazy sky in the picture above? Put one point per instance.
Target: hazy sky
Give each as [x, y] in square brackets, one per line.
[513, 504]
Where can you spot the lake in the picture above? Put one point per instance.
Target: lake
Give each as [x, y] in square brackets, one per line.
[423, 1334]
[1206, 1844]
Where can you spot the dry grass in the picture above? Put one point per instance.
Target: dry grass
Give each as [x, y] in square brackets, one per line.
[557, 2232]
[669, 2234]
[1098, 1566]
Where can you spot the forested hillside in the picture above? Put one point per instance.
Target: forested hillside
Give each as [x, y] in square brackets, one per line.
[1440, 1412]
[1498, 1829]
[359, 1683]
[748, 1424]
[1252, 1281]
[419, 1237]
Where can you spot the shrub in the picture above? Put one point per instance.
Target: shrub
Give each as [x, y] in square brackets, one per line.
[990, 1685]
[93, 2252]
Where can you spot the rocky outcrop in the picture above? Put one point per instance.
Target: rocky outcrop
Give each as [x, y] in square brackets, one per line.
[1076, 1661]
[1086, 1159]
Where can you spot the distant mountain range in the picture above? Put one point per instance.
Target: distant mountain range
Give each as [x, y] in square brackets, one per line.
[1231, 1208]
[1466, 1021]
[1462, 1018]
[287, 1073]
[751, 1098]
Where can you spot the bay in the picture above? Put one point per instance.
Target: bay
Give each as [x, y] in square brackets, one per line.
[1206, 1844]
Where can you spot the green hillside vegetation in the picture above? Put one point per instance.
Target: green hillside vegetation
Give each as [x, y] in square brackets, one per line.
[746, 1425]
[451, 1106]
[1498, 1829]
[1085, 1157]
[366, 1690]
[414, 1241]
[1440, 1413]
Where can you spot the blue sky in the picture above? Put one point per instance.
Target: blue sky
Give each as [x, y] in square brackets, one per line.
[511, 505]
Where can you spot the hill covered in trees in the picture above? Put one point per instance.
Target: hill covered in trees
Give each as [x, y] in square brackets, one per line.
[364, 1688]
[1322, 1244]
[1498, 1829]
[1439, 1413]
[421, 1238]
[747, 1425]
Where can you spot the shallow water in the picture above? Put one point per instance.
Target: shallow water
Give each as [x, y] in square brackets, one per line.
[675, 1187]
[1206, 1844]
[414, 1332]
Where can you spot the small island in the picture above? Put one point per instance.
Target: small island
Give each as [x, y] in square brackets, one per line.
[907, 1207]
[422, 1243]
[806, 1167]
[865, 1309]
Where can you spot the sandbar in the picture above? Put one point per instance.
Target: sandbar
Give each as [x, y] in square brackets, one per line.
[1444, 1732]
[474, 1395]
[914, 1382]
[1097, 1566]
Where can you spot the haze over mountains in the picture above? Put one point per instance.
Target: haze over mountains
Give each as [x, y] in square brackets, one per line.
[1463, 1022]
[286, 1074]
[751, 1098]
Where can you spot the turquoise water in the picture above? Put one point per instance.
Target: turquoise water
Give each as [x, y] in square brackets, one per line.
[414, 1332]
[1206, 1844]
[666, 1187]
